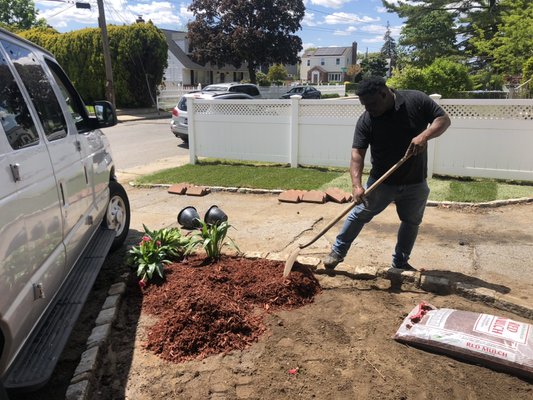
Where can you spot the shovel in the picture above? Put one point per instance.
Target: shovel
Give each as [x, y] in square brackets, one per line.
[292, 257]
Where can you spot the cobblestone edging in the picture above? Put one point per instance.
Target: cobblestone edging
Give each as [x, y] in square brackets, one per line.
[86, 375]
[430, 203]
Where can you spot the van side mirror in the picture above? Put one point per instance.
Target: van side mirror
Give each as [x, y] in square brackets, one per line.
[105, 113]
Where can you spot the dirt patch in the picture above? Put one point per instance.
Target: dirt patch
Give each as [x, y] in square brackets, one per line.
[338, 346]
[340, 343]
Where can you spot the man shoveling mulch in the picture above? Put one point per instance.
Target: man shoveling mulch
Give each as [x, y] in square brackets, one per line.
[205, 309]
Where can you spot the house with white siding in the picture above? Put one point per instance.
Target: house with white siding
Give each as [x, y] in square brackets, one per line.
[183, 71]
[327, 64]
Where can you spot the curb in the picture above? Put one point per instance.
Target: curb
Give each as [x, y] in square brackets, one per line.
[86, 375]
[130, 118]
[430, 203]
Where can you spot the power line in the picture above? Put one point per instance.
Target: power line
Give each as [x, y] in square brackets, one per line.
[61, 11]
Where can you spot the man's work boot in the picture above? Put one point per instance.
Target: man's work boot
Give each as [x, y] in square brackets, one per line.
[332, 260]
[403, 266]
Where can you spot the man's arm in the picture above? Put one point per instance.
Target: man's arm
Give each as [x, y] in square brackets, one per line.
[357, 163]
[437, 128]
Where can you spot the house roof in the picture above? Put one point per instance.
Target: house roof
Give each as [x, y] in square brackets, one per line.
[326, 51]
[179, 53]
[187, 62]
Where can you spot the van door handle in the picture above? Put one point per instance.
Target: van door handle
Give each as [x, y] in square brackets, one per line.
[15, 171]
[62, 190]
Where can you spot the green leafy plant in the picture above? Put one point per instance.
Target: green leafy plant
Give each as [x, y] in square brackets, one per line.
[157, 248]
[171, 239]
[212, 238]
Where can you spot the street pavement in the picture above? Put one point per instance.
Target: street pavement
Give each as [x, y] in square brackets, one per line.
[489, 247]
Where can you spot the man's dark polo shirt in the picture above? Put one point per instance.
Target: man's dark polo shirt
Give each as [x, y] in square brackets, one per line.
[390, 134]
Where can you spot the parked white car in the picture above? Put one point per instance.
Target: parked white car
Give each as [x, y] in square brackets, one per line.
[62, 209]
[179, 124]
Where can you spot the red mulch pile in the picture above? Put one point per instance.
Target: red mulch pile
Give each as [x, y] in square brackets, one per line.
[206, 309]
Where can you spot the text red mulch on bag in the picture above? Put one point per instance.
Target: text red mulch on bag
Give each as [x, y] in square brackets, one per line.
[496, 342]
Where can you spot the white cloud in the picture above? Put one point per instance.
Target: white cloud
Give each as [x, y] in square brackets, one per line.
[309, 20]
[347, 18]
[330, 3]
[116, 12]
[346, 32]
[158, 12]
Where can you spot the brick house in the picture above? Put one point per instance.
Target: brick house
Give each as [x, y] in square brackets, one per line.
[327, 64]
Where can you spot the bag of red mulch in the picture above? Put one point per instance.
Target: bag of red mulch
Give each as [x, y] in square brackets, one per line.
[496, 342]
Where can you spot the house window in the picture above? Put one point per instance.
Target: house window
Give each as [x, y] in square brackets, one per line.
[308, 63]
[322, 61]
[337, 61]
[334, 77]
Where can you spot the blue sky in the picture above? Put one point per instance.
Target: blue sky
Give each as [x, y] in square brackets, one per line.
[326, 23]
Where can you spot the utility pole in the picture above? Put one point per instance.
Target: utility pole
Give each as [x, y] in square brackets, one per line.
[109, 87]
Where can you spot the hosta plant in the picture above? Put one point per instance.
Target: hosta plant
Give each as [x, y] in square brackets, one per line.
[171, 239]
[212, 237]
[157, 248]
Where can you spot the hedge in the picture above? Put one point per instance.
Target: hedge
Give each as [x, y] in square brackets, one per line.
[138, 56]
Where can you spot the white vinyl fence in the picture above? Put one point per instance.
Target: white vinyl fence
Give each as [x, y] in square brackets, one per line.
[487, 138]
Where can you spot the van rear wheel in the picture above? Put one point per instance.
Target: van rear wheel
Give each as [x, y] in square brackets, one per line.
[117, 216]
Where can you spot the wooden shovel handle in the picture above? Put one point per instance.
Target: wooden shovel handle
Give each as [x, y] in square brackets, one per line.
[353, 204]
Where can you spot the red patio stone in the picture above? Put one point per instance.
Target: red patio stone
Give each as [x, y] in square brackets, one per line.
[179, 188]
[197, 191]
[338, 196]
[291, 196]
[314, 196]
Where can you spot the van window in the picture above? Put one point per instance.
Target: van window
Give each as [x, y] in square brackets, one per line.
[39, 89]
[74, 102]
[14, 114]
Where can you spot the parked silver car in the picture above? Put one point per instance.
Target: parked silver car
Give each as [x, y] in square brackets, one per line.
[61, 209]
[234, 87]
[179, 124]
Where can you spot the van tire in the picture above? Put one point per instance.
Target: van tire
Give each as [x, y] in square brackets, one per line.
[117, 216]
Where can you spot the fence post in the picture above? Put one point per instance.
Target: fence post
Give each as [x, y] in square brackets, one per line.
[294, 129]
[432, 143]
[190, 130]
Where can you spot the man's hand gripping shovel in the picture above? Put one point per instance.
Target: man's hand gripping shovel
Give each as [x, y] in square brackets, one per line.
[294, 255]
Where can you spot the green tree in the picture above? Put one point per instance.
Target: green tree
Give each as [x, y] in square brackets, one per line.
[410, 77]
[353, 72]
[512, 45]
[443, 76]
[374, 64]
[262, 79]
[388, 50]
[442, 28]
[251, 32]
[18, 15]
[429, 37]
[277, 74]
[447, 78]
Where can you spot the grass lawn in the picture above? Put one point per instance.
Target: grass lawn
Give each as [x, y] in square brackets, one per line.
[214, 172]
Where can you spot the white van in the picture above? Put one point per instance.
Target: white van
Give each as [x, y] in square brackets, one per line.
[62, 209]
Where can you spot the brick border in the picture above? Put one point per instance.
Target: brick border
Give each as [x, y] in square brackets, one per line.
[86, 374]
